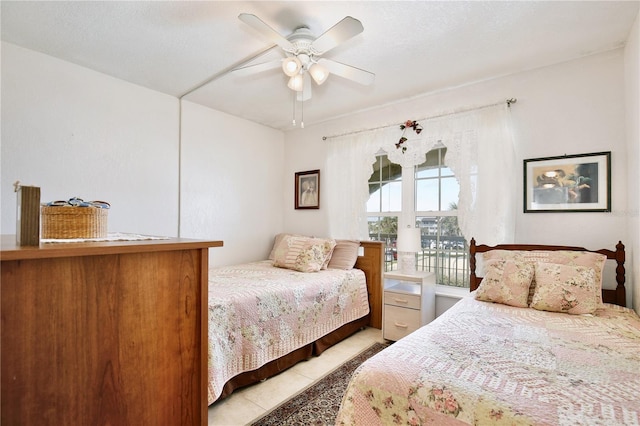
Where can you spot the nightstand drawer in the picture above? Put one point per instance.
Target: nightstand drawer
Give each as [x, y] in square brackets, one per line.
[402, 299]
[398, 322]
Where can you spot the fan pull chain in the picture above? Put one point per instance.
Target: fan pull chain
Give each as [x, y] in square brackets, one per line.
[293, 121]
[302, 114]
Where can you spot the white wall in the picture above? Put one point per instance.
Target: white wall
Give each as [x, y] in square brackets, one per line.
[632, 99]
[76, 132]
[304, 151]
[231, 186]
[569, 108]
[572, 108]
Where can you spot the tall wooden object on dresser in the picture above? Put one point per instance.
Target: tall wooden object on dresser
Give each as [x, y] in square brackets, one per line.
[104, 333]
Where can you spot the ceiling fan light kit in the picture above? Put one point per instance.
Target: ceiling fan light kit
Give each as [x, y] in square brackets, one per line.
[291, 66]
[296, 83]
[319, 73]
[304, 51]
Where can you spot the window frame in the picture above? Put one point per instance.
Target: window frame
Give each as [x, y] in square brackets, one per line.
[409, 216]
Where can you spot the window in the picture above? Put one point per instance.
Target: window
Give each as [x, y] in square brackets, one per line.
[434, 210]
[385, 187]
[444, 249]
[385, 202]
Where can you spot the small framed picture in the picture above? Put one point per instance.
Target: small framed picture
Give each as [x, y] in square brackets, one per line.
[570, 183]
[307, 192]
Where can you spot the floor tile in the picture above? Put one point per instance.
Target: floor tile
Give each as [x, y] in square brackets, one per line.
[234, 411]
[275, 390]
[250, 403]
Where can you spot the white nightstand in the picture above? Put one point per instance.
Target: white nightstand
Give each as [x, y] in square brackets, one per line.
[409, 303]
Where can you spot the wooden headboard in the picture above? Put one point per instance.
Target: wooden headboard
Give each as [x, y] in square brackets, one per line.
[371, 262]
[617, 296]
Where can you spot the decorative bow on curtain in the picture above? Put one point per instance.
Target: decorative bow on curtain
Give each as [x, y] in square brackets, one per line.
[409, 124]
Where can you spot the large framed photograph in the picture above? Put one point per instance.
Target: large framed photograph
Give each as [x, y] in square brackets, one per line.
[570, 183]
[307, 193]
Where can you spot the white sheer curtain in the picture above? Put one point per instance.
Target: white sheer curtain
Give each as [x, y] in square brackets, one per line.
[479, 151]
[349, 167]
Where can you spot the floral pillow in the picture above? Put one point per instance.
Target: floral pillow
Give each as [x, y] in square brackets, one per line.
[566, 288]
[330, 245]
[506, 282]
[303, 254]
[559, 257]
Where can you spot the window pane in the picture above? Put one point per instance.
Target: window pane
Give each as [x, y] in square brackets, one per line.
[389, 170]
[385, 187]
[385, 198]
[428, 230]
[385, 229]
[445, 171]
[450, 191]
[373, 204]
[443, 250]
[427, 195]
[376, 176]
[426, 172]
[382, 228]
[436, 191]
[384, 170]
[434, 157]
[392, 197]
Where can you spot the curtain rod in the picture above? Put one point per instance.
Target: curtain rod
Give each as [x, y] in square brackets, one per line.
[508, 101]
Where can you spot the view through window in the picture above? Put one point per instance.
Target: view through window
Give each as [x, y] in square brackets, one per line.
[444, 250]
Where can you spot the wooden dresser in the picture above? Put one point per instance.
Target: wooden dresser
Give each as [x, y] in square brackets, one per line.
[110, 333]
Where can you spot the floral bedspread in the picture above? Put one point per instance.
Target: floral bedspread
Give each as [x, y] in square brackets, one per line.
[485, 363]
[258, 313]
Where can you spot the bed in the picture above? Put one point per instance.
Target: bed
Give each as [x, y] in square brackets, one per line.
[268, 315]
[530, 356]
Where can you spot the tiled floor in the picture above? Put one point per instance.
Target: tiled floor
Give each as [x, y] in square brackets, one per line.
[247, 404]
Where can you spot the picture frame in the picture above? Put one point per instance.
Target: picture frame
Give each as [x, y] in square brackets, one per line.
[307, 190]
[568, 183]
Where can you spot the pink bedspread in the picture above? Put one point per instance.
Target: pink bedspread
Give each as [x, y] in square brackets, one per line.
[258, 313]
[484, 363]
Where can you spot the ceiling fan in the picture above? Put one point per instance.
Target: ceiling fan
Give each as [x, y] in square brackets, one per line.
[304, 52]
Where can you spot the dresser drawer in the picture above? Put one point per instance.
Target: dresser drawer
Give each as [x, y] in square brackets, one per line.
[398, 322]
[402, 299]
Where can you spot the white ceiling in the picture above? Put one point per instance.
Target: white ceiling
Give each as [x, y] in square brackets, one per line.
[413, 47]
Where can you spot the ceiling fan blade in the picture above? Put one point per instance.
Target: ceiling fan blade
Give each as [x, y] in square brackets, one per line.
[347, 71]
[256, 68]
[305, 95]
[340, 32]
[264, 29]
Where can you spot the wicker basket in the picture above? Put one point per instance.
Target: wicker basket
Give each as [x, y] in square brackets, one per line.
[73, 222]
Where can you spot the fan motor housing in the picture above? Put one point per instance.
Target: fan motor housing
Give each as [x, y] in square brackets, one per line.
[301, 39]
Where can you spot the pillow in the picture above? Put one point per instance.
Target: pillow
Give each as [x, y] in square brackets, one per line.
[302, 253]
[276, 244]
[344, 254]
[506, 282]
[566, 288]
[559, 257]
[329, 254]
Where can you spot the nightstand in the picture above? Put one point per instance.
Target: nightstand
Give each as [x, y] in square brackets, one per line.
[409, 303]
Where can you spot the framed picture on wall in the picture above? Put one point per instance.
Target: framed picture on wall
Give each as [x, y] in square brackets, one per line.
[570, 183]
[307, 192]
